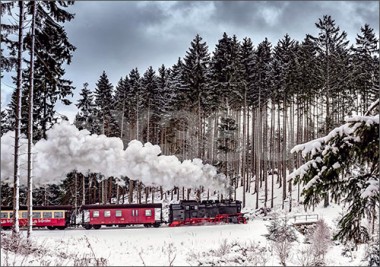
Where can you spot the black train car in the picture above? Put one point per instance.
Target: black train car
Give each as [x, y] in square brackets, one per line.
[207, 211]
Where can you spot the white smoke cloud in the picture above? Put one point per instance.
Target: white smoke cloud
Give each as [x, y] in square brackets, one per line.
[67, 148]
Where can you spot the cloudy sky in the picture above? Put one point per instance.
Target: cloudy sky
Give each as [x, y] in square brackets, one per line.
[117, 36]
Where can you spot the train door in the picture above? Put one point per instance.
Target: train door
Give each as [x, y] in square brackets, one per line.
[135, 216]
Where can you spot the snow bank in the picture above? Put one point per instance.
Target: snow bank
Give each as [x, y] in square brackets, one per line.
[67, 148]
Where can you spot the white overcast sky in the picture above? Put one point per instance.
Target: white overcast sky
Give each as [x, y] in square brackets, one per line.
[117, 36]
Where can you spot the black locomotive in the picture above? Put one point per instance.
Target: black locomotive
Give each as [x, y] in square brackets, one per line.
[189, 212]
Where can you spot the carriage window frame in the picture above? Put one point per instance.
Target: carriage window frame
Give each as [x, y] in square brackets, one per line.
[4, 215]
[107, 213]
[95, 214]
[36, 215]
[48, 213]
[118, 213]
[58, 214]
[24, 215]
[148, 213]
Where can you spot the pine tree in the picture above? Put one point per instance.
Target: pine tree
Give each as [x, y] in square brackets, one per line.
[104, 101]
[8, 61]
[150, 89]
[121, 107]
[365, 67]
[330, 42]
[135, 99]
[53, 50]
[86, 117]
[346, 163]
[195, 81]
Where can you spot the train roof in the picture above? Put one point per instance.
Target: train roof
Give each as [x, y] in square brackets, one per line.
[120, 206]
[50, 207]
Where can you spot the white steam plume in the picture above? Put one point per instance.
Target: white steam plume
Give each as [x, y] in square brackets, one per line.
[67, 149]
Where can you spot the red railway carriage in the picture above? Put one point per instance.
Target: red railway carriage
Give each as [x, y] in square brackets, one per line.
[121, 215]
[51, 217]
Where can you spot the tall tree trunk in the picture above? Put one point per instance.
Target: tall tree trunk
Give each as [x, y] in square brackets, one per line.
[265, 154]
[30, 123]
[16, 196]
[272, 149]
[130, 195]
[244, 146]
[284, 153]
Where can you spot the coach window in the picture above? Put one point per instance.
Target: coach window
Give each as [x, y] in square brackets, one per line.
[118, 213]
[148, 213]
[11, 215]
[47, 214]
[95, 214]
[37, 215]
[24, 215]
[107, 213]
[58, 214]
[4, 215]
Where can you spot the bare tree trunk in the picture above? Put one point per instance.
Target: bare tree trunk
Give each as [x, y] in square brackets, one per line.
[188, 193]
[83, 189]
[284, 155]
[243, 168]
[30, 124]
[271, 149]
[265, 154]
[258, 155]
[130, 196]
[16, 188]
[146, 194]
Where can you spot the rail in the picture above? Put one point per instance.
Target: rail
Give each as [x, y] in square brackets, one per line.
[310, 217]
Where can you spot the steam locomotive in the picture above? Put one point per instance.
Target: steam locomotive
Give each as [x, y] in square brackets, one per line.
[189, 212]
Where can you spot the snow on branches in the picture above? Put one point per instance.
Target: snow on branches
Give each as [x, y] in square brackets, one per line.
[344, 164]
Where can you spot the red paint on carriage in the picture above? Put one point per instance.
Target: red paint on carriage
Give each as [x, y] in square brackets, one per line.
[43, 216]
[121, 215]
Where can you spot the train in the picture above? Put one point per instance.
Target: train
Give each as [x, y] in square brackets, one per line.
[95, 216]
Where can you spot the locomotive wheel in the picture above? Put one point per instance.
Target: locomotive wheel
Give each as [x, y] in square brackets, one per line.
[51, 227]
[87, 226]
[97, 226]
[156, 225]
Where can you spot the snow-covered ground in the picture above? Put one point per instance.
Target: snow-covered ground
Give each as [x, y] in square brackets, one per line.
[228, 244]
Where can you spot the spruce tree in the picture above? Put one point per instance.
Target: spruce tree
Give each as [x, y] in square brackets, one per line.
[346, 163]
[150, 89]
[365, 60]
[86, 117]
[104, 102]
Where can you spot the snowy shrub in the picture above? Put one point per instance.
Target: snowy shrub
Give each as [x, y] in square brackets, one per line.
[304, 256]
[282, 234]
[320, 242]
[282, 249]
[373, 254]
[20, 245]
[279, 230]
[231, 254]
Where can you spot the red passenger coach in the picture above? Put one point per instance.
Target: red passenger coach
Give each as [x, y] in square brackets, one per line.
[51, 217]
[121, 215]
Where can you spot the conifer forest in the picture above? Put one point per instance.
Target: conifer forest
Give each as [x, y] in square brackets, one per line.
[301, 116]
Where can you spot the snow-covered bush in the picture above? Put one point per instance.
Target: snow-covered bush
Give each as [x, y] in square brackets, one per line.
[231, 254]
[373, 253]
[282, 234]
[279, 230]
[320, 242]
